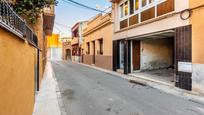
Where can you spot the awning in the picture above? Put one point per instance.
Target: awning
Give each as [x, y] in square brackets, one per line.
[48, 24]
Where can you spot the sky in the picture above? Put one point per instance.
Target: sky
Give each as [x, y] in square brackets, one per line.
[66, 15]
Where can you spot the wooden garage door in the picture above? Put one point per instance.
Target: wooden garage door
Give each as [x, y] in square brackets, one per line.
[136, 55]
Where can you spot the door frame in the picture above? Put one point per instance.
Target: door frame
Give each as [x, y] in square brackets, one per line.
[94, 53]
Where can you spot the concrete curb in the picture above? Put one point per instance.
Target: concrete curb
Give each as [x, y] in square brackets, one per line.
[47, 102]
[59, 95]
[170, 89]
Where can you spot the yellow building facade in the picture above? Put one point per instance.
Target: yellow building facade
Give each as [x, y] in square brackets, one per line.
[197, 23]
[54, 41]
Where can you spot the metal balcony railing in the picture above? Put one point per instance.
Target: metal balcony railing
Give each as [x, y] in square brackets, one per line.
[15, 24]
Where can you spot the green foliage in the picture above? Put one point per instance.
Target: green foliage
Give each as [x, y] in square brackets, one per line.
[32, 8]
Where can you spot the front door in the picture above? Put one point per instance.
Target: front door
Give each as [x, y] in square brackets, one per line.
[136, 55]
[94, 54]
[68, 54]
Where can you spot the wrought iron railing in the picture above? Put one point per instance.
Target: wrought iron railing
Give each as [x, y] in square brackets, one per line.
[14, 23]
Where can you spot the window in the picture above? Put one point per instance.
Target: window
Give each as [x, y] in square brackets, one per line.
[131, 7]
[146, 2]
[136, 4]
[88, 48]
[126, 8]
[121, 11]
[100, 46]
[134, 8]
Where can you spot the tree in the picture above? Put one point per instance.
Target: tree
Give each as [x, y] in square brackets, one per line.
[31, 9]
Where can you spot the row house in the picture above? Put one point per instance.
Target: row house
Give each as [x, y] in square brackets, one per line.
[77, 40]
[97, 44]
[66, 48]
[160, 39]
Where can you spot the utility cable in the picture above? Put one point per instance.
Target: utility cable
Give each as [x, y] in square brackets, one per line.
[84, 6]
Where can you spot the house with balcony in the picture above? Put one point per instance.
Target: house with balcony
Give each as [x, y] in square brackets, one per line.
[77, 40]
[153, 40]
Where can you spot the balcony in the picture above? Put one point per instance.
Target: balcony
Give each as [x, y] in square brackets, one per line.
[48, 17]
[49, 10]
[15, 24]
[75, 41]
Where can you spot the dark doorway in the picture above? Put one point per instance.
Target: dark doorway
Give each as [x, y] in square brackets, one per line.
[94, 54]
[68, 54]
[136, 55]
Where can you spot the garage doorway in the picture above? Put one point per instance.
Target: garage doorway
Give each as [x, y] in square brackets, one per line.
[153, 57]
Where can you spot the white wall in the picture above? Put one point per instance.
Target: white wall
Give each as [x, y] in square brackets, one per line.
[197, 77]
[55, 53]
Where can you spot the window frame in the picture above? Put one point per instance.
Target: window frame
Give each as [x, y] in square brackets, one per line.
[139, 10]
[100, 41]
[124, 16]
[88, 48]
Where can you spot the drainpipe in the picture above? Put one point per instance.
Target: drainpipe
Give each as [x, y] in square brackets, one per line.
[38, 73]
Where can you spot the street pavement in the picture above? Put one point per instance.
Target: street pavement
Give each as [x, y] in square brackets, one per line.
[86, 91]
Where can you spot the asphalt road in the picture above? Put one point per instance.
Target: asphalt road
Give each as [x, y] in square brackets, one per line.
[86, 91]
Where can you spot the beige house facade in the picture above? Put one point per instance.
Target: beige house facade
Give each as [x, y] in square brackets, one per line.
[154, 37]
[97, 44]
[66, 49]
[77, 40]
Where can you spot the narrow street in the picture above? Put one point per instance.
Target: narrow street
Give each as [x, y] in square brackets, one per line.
[86, 91]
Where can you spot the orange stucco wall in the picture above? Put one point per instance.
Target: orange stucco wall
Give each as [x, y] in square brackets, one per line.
[197, 31]
[17, 75]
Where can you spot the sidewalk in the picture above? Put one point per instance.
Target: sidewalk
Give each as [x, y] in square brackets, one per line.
[48, 100]
[189, 95]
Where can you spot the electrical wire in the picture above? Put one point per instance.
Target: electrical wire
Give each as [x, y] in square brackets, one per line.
[84, 6]
[63, 25]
